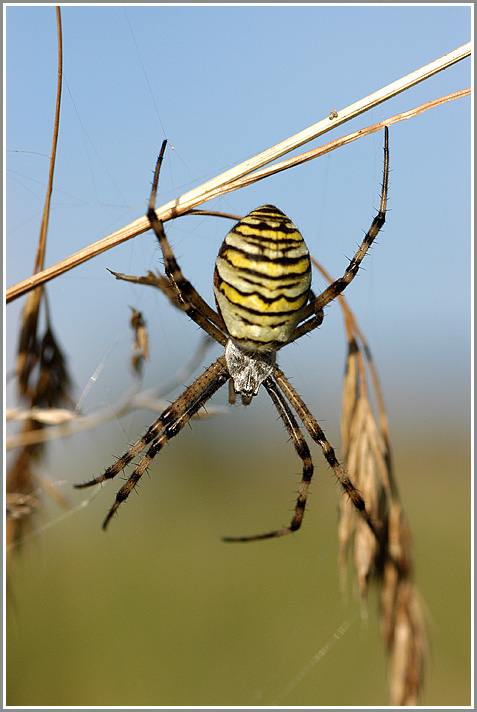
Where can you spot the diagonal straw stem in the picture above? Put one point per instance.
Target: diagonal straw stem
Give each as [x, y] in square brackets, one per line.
[202, 193]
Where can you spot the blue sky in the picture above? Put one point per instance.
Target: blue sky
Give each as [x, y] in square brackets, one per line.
[223, 83]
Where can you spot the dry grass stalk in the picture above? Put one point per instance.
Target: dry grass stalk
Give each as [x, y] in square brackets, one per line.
[41, 372]
[386, 562]
[230, 180]
[333, 145]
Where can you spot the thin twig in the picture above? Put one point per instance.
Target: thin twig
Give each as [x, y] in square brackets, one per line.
[56, 127]
[41, 373]
[62, 422]
[338, 143]
[221, 183]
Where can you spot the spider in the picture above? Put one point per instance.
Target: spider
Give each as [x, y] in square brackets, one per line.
[262, 287]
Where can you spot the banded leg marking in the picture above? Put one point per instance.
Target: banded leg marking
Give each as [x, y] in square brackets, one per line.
[169, 423]
[315, 306]
[303, 453]
[189, 299]
[319, 437]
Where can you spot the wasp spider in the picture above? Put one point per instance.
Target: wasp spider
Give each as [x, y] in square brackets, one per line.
[262, 286]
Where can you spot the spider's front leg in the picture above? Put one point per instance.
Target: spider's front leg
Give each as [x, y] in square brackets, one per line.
[312, 316]
[188, 299]
[169, 424]
[338, 286]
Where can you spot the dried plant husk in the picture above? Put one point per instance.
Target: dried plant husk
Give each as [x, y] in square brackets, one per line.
[383, 560]
[43, 382]
[140, 345]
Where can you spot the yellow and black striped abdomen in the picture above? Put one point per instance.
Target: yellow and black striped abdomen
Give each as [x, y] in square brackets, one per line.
[262, 279]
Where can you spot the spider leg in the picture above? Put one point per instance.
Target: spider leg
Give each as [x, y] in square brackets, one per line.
[309, 325]
[173, 427]
[169, 424]
[303, 452]
[319, 437]
[189, 299]
[313, 314]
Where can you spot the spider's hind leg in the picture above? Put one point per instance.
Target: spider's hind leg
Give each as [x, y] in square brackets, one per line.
[320, 438]
[303, 452]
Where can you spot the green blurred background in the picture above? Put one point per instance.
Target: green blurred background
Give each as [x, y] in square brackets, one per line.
[158, 611]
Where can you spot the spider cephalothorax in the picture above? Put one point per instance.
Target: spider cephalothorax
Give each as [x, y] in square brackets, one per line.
[262, 286]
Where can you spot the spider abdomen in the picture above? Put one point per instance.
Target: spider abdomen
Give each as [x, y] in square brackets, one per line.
[262, 279]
